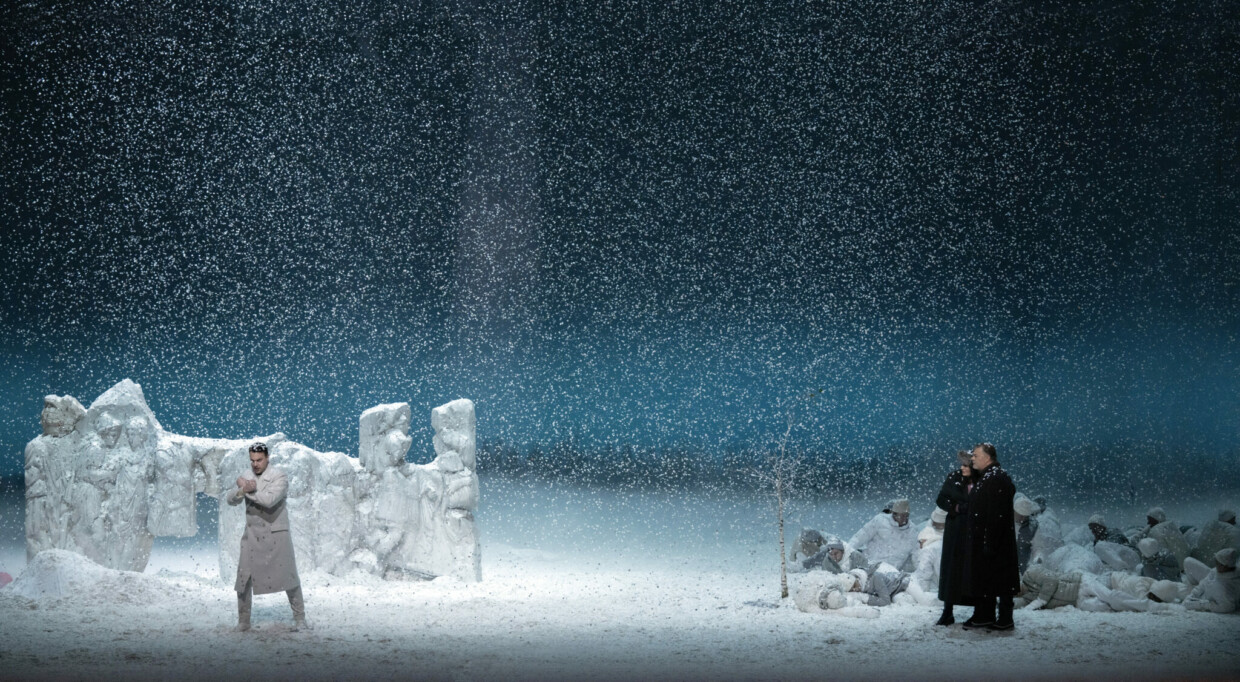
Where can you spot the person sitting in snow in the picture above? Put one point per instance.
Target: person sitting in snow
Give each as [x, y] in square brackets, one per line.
[1156, 562]
[1117, 557]
[1095, 531]
[1215, 535]
[1169, 535]
[1218, 591]
[1153, 517]
[925, 580]
[808, 543]
[932, 532]
[888, 537]
[1110, 546]
[1023, 510]
[1073, 557]
[836, 557]
[1049, 536]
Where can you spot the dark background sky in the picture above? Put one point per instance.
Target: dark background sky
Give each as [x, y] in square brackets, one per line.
[632, 223]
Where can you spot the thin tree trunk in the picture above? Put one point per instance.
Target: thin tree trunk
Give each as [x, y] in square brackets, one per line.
[779, 497]
[783, 558]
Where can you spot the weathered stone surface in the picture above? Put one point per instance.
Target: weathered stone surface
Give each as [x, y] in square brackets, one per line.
[384, 436]
[105, 481]
[60, 414]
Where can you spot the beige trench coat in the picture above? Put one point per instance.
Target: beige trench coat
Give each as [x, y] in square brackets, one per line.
[266, 546]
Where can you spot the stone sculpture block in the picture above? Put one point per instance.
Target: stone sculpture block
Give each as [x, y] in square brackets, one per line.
[105, 481]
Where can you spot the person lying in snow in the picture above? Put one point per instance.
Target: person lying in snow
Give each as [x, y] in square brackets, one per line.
[828, 593]
[880, 587]
[854, 588]
[1043, 588]
[808, 543]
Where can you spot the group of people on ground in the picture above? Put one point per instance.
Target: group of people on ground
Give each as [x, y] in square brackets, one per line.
[994, 549]
[1150, 567]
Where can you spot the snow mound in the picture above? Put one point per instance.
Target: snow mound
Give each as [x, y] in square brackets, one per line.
[61, 574]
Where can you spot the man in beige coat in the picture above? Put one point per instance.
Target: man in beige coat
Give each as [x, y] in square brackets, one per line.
[267, 563]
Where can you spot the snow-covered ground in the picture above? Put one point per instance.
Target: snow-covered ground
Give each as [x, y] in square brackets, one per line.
[577, 584]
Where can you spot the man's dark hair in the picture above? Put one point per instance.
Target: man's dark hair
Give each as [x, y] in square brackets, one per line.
[989, 450]
[259, 447]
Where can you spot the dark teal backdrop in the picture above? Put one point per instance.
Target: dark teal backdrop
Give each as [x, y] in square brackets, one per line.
[634, 224]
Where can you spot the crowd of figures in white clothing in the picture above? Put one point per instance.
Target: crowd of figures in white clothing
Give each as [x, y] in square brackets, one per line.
[1156, 566]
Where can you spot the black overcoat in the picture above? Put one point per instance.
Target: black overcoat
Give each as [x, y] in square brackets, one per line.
[994, 565]
[953, 567]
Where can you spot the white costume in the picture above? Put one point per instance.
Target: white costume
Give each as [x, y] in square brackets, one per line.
[882, 539]
[1217, 592]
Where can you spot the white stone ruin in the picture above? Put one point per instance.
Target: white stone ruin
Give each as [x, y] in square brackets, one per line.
[105, 481]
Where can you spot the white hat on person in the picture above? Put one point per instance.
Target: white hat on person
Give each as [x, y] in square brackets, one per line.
[1226, 557]
[1024, 506]
[1166, 590]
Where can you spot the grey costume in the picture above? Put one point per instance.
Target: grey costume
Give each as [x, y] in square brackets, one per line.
[885, 585]
[807, 545]
[823, 560]
[267, 562]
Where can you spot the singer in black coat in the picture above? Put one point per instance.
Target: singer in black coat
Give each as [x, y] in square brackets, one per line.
[994, 565]
[953, 498]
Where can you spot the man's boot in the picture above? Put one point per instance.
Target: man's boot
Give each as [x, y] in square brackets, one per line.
[298, 603]
[947, 618]
[243, 610]
[1004, 622]
[983, 614]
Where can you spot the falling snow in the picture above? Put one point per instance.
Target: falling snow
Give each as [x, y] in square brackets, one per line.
[631, 231]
